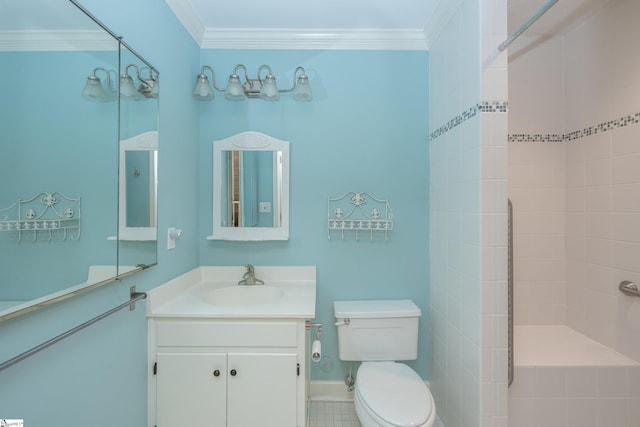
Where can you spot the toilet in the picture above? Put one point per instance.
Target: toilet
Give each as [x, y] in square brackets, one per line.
[379, 333]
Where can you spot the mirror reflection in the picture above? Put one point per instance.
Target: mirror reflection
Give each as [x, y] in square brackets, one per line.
[58, 145]
[138, 90]
[138, 188]
[251, 188]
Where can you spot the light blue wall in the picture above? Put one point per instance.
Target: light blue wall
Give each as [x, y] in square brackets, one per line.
[366, 130]
[33, 134]
[98, 376]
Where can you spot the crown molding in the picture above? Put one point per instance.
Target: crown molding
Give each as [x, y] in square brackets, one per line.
[188, 18]
[43, 40]
[301, 39]
[295, 38]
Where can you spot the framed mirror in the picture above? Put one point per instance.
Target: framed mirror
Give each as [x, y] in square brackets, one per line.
[250, 188]
[59, 166]
[138, 160]
[138, 188]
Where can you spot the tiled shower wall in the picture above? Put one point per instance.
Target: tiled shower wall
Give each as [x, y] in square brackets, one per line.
[468, 158]
[574, 176]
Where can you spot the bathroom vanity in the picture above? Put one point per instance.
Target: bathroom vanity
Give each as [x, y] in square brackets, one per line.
[224, 354]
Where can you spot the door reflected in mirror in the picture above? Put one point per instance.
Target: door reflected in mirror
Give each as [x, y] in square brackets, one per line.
[138, 187]
[251, 188]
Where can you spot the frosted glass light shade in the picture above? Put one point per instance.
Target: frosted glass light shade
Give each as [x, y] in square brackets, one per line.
[155, 91]
[93, 90]
[127, 88]
[234, 90]
[302, 91]
[202, 90]
[269, 91]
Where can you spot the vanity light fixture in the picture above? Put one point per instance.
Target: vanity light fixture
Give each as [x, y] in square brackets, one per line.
[149, 87]
[263, 88]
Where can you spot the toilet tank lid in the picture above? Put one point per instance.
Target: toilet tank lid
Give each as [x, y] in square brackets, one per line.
[366, 309]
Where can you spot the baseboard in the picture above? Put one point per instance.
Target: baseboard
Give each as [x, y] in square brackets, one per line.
[329, 391]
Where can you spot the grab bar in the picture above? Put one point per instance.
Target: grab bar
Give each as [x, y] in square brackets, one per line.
[629, 288]
[134, 296]
[510, 289]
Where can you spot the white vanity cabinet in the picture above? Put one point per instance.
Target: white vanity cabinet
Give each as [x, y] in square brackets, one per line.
[227, 372]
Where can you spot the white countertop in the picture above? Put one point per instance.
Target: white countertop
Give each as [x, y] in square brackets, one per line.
[183, 296]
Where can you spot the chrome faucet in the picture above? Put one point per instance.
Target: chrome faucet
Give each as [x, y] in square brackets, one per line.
[249, 277]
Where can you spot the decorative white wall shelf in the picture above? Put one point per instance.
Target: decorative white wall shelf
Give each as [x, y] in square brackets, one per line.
[45, 215]
[356, 212]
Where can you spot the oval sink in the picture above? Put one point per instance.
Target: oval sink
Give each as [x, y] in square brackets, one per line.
[243, 295]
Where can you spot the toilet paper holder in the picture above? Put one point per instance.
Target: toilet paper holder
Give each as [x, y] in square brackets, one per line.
[316, 326]
[316, 346]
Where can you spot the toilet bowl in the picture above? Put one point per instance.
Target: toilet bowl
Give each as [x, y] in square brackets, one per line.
[390, 394]
[379, 333]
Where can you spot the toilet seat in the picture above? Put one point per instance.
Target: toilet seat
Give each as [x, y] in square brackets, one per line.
[393, 395]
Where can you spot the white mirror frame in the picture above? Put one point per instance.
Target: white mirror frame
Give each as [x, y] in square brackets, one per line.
[147, 141]
[253, 141]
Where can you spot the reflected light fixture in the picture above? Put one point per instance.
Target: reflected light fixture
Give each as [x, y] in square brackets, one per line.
[149, 85]
[263, 88]
[94, 90]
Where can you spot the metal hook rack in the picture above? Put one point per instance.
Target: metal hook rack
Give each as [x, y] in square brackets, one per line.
[358, 212]
[44, 214]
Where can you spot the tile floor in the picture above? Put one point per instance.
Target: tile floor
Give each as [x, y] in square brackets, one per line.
[336, 414]
[332, 414]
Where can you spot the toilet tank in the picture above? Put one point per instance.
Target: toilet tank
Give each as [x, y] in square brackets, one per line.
[377, 330]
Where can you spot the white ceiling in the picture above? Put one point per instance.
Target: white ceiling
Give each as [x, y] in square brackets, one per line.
[308, 24]
[314, 14]
[363, 24]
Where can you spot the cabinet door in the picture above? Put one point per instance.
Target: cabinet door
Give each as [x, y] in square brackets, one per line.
[263, 390]
[188, 392]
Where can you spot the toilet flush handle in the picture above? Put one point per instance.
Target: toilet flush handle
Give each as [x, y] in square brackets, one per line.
[344, 322]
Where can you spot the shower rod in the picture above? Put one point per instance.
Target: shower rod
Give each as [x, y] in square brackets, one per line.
[505, 44]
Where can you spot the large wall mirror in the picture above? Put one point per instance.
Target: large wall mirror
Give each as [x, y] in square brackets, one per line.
[63, 115]
[250, 188]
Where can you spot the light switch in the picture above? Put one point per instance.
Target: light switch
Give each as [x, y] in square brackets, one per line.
[264, 207]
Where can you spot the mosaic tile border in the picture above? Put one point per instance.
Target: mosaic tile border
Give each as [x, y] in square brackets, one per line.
[481, 107]
[503, 107]
[572, 136]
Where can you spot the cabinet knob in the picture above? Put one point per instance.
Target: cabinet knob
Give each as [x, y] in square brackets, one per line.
[233, 372]
[216, 373]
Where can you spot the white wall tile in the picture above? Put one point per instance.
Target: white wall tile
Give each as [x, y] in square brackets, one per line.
[611, 382]
[598, 177]
[612, 412]
[581, 382]
[551, 382]
[551, 411]
[625, 169]
[582, 413]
